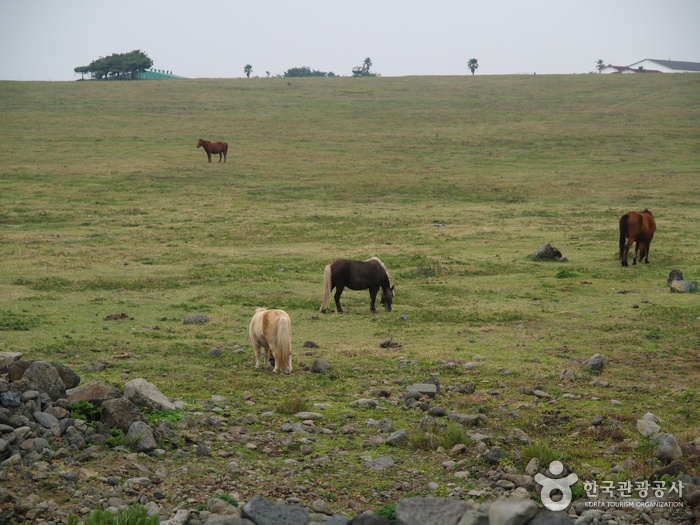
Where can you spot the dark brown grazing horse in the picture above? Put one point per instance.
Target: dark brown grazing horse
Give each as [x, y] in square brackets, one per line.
[356, 275]
[639, 228]
[213, 147]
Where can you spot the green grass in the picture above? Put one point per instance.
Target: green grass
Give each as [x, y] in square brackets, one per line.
[107, 207]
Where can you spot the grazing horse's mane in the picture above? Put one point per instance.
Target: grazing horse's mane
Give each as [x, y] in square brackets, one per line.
[377, 259]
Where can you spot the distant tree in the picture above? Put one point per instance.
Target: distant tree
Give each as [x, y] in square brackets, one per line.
[122, 66]
[306, 72]
[364, 69]
[83, 70]
[641, 69]
[248, 69]
[600, 65]
[473, 65]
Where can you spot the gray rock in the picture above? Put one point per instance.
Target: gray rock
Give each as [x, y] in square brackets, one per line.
[519, 435]
[494, 455]
[547, 252]
[43, 376]
[682, 286]
[430, 511]
[669, 450]
[320, 366]
[478, 516]
[647, 428]
[145, 395]
[597, 363]
[141, 435]
[398, 438]
[322, 507]
[425, 389]
[262, 511]
[68, 376]
[674, 275]
[465, 419]
[512, 511]
[49, 421]
[548, 517]
[120, 413]
[337, 519]
[380, 464]
[10, 399]
[94, 392]
[227, 519]
[371, 519]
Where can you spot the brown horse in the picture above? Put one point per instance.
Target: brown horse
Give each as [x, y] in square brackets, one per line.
[356, 275]
[639, 228]
[213, 147]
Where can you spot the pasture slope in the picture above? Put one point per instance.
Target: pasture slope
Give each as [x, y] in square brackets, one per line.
[107, 207]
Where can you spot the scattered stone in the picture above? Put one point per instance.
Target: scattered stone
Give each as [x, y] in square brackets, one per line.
[380, 464]
[647, 428]
[95, 392]
[320, 366]
[398, 438]
[596, 363]
[682, 286]
[669, 450]
[310, 344]
[430, 511]
[145, 395]
[425, 389]
[140, 435]
[674, 275]
[262, 511]
[494, 455]
[547, 252]
[512, 511]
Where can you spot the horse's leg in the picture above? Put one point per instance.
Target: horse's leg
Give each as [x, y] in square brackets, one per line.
[647, 245]
[219, 157]
[275, 356]
[209, 155]
[256, 346]
[338, 292]
[373, 298]
[636, 252]
[625, 253]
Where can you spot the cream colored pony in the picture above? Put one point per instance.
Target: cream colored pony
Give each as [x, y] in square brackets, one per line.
[272, 330]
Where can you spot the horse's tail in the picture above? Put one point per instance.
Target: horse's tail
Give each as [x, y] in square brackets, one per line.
[327, 283]
[284, 343]
[624, 227]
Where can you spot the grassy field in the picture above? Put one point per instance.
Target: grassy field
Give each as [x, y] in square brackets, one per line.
[107, 207]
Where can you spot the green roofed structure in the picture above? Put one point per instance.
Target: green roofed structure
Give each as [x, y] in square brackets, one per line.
[157, 74]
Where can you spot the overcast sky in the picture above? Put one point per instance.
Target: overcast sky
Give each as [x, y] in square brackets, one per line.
[47, 39]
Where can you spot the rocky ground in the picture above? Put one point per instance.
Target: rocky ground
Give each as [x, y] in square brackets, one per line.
[191, 469]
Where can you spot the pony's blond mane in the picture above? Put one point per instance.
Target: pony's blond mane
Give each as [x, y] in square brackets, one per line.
[377, 259]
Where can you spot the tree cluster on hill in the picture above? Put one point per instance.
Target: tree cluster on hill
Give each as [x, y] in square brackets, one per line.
[364, 69]
[119, 66]
[307, 72]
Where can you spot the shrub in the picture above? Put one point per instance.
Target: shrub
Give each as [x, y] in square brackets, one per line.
[293, 405]
[133, 515]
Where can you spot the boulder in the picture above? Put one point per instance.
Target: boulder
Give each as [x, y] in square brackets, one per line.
[95, 392]
[43, 376]
[547, 252]
[145, 395]
[120, 413]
